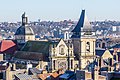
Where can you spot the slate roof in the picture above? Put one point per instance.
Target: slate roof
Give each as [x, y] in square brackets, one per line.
[100, 52]
[23, 76]
[82, 25]
[80, 22]
[67, 75]
[35, 50]
[38, 46]
[24, 30]
[37, 36]
[116, 46]
[111, 51]
[75, 35]
[35, 71]
[29, 55]
[118, 53]
[77, 30]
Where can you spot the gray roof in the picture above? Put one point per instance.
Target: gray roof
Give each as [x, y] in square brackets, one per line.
[35, 71]
[24, 30]
[82, 23]
[100, 52]
[67, 75]
[23, 76]
[29, 55]
[38, 46]
[35, 50]
[116, 46]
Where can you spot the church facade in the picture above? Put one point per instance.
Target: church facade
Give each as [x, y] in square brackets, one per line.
[50, 55]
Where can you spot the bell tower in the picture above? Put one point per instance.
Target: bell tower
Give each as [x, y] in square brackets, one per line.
[84, 39]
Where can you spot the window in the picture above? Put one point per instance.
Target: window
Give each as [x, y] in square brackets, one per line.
[28, 38]
[103, 45]
[71, 46]
[88, 62]
[71, 64]
[88, 46]
[54, 64]
[66, 36]
[71, 53]
[61, 49]
[54, 52]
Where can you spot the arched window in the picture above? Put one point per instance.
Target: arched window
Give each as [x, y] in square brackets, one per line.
[88, 62]
[71, 53]
[103, 45]
[71, 46]
[61, 49]
[88, 46]
[54, 64]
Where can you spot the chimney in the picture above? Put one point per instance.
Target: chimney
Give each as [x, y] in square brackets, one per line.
[110, 63]
[8, 72]
[1, 57]
[96, 73]
[29, 66]
[13, 67]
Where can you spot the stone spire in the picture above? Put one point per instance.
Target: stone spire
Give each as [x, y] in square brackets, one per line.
[83, 25]
[86, 24]
[80, 23]
[77, 30]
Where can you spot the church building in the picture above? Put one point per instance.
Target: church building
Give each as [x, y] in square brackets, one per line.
[56, 54]
[47, 55]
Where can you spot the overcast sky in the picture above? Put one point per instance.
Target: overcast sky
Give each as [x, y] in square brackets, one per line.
[56, 10]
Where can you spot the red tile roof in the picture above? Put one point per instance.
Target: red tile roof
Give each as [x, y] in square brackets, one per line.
[8, 46]
[43, 76]
[53, 76]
